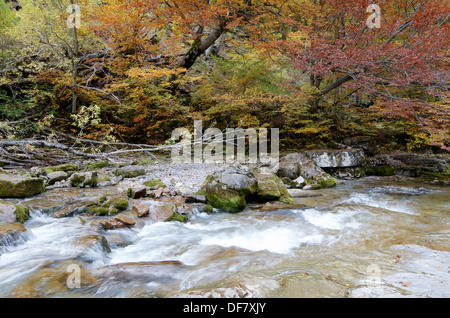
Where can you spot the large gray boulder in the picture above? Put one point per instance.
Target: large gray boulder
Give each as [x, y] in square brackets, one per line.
[295, 165]
[227, 189]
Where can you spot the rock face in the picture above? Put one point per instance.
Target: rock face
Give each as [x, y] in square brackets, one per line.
[295, 165]
[337, 158]
[20, 187]
[227, 189]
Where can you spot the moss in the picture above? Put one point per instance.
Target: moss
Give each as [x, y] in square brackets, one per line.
[98, 165]
[76, 180]
[69, 168]
[154, 184]
[286, 199]
[119, 204]
[200, 192]
[114, 211]
[92, 182]
[22, 188]
[97, 210]
[129, 192]
[102, 199]
[177, 217]
[227, 200]
[326, 182]
[103, 177]
[208, 208]
[381, 171]
[22, 213]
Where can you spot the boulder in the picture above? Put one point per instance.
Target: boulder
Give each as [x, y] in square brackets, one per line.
[227, 189]
[84, 179]
[56, 176]
[7, 213]
[131, 171]
[137, 193]
[20, 187]
[295, 165]
[13, 213]
[157, 211]
[141, 210]
[337, 158]
[271, 188]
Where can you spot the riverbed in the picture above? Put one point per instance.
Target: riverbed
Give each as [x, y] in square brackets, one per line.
[372, 237]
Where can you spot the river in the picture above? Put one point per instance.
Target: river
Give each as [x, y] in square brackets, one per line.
[372, 237]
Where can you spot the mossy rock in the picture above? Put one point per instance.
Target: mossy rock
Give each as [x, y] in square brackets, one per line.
[177, 217]
[155, 184]
[116, 204]
[85, 179]
[22, 213]
[271, 188]
[130, 171]
[20, 187]
[97, 210]
[69, 168]
[98, 165]
[226, 200]
[324, 183]
[208, 208]
[76, 180]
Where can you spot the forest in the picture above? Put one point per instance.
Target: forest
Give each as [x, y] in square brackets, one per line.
[99, 72]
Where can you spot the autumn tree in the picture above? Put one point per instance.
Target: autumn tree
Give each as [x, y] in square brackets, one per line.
[403, 64]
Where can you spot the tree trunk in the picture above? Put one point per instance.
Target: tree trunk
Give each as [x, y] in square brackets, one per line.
[74, 62]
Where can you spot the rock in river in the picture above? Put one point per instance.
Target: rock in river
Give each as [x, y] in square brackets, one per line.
[227, 189]
[295, 165]
[20, 187]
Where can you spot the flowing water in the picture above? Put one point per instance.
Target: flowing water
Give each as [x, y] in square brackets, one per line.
[367, 238]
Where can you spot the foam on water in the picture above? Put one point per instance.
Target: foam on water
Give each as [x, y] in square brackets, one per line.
[344, 218]
[380, 200]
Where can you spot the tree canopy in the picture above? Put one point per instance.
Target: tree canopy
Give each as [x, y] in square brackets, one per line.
[313, 68]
